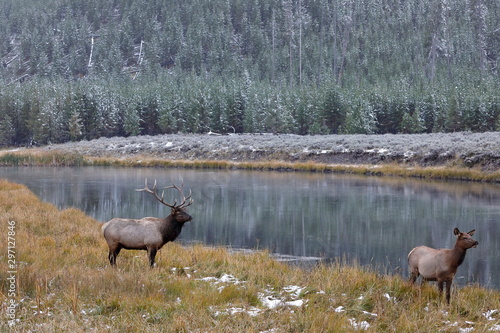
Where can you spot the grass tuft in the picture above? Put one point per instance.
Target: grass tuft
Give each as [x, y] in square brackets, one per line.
[42, 159]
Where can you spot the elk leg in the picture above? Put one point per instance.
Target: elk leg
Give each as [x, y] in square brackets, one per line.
[440, 287]
[448, 289]
[152, 254]
[113, 253]
[413, 277]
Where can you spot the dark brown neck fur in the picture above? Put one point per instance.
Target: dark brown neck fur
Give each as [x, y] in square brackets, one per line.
[458, 255]
[170, 229]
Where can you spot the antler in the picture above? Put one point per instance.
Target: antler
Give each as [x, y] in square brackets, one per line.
[186, 201]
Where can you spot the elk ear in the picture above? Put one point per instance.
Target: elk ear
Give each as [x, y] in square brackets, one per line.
[472, 232]
[456, 231]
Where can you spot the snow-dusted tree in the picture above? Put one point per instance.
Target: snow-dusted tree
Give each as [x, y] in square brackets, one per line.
[86, 106]
[199, 108]
[259, 109]
[47, 123]
[411, 122]
[75, 127]
[236, 104]
[107, 107]
[454, 112]
[7, 130]
[333, 112]
[360, 118]
[439, 105]
[165, 105]
[131, 121]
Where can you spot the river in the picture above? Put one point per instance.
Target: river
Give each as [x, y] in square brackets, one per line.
[375, 221]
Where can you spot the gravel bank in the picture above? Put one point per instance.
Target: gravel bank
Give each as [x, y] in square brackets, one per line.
[480, 150]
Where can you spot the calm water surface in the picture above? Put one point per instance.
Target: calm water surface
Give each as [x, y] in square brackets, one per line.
[372, 220]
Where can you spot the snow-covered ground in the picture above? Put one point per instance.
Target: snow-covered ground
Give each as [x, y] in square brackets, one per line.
[469, 149]
[290, 298]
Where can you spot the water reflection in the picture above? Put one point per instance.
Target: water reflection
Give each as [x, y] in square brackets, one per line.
[376, 221]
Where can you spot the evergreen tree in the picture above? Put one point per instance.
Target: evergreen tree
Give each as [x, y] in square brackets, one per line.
[75, 127]
[131, 122]
[7, 130]
[333, 115]
[360, 118]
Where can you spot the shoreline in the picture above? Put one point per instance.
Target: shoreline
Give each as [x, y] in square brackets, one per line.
[455, 156]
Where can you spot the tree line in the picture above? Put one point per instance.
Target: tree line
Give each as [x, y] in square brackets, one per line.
[75, 70]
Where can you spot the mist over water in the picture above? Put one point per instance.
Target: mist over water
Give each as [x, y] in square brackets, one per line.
[375, 221]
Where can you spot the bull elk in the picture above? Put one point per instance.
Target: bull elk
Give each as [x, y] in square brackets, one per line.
[148, 233]
[440, 264]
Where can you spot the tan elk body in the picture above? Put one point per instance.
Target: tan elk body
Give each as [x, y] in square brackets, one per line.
[440, 264]
[148, 233]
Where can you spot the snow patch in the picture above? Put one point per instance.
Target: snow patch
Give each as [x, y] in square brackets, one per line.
[408, 154]
[225, 278]
[295, 291]
[252, 312]
[272, 302]
[370, 314]
[363, 325]
[489, 314]
[289, 296]
[389, 298]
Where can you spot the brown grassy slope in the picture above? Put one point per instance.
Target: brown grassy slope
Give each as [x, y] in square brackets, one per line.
[64, 283]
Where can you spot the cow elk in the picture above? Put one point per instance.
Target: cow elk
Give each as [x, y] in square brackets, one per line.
[440, 264]
[148, 233]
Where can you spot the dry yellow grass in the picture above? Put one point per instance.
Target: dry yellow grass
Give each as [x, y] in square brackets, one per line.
[64, 283]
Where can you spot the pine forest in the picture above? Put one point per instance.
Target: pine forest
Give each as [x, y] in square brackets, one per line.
[84, 69]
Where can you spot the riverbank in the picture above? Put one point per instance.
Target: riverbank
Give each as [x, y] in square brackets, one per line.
[451, 156]
[63, 282]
